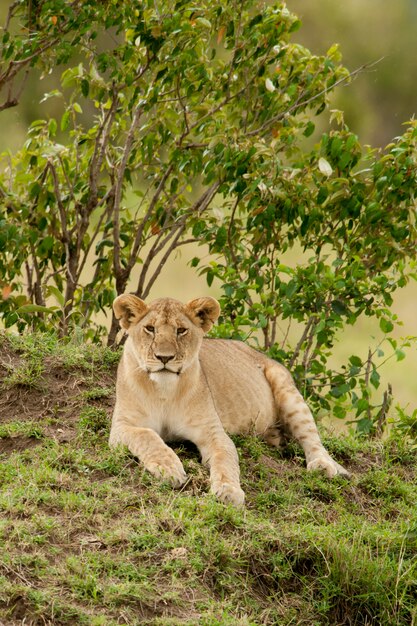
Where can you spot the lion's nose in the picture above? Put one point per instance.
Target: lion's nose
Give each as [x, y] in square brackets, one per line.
[164, 358]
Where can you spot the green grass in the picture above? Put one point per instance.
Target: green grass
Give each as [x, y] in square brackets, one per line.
[88, 538]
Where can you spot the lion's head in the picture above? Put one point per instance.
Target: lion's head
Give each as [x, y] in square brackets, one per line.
[165, 335]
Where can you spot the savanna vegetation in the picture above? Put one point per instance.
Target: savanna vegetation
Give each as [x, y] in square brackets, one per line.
[199, 126]
[88, 537]
[178, 123]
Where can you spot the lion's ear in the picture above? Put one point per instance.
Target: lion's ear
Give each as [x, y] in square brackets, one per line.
[203, 312]
[129, 310]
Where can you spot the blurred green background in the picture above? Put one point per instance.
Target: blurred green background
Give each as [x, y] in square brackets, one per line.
[376, 105]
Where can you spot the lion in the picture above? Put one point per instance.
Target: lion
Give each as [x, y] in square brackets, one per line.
[175, 384]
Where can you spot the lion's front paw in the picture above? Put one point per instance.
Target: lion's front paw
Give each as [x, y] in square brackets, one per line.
[328, 465]
[229, 493]
[168, 467]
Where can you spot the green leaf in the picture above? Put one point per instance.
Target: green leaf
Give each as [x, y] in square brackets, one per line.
[52, 127]
[344, 160]
[35, 308]
[340, 390]
[361, 406]
[34, 190]
[355, 361]
[198, 228]
[339, 412]
[386, 325]
[375, 378]
[339, 307]
[336, 146]
[322, 194]
[85, 87]
[59, 296]
[291, 289]
[400, 354]
[65, 119]
[309, 129]
[103, 243]
[221, 237]
[364, 425]
[210, 277]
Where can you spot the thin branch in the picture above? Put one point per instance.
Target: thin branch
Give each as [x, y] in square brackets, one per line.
[300, 342]
[123, 86]
[99, 152]
[200, 205]
[61, 208]
[10, 14]
[273, 330]
[301, 103]
[158, 245]
[69, 182]
[192, 146]
[175, 244]
[306, 357]
[136, 217]
[15, 66]
[238, 32]
[367, 376]
[12, 101]
[229, 235]
[8, 104]
[223, 103]
[118, 188]
[162, 238]
[152, 204]
[183, 107]
[105, 214]
[37, 286]
[29, 276]
[287, 332]
[382, 415]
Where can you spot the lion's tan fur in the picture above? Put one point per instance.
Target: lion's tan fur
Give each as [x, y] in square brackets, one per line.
[173, 383]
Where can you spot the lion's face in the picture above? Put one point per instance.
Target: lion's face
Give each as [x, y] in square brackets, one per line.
[166, 335]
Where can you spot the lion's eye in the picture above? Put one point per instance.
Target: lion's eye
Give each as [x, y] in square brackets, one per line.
[181, 331]
[150, 329]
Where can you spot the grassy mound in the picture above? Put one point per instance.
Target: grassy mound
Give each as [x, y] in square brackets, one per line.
[87, 537]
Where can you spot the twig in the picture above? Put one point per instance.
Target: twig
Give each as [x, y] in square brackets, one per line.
[99, 151]
[177, 230]
[175, 244]
[108, 198]
[287, 332]
[382, 415]
[229, 234]
[183, 107]
[9, 570]
[303, 103]
[301, 341]
[158, 245]
[306, 357]
[367, 376]
[152, 204]
[118, 189]
[66, 237]
[10, 14]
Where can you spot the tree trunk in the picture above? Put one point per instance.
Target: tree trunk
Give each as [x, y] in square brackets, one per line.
[114, 329]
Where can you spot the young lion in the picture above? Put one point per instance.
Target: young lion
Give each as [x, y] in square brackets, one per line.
[173, 384]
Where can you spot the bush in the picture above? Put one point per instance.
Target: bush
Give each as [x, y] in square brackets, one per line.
[182, 123]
